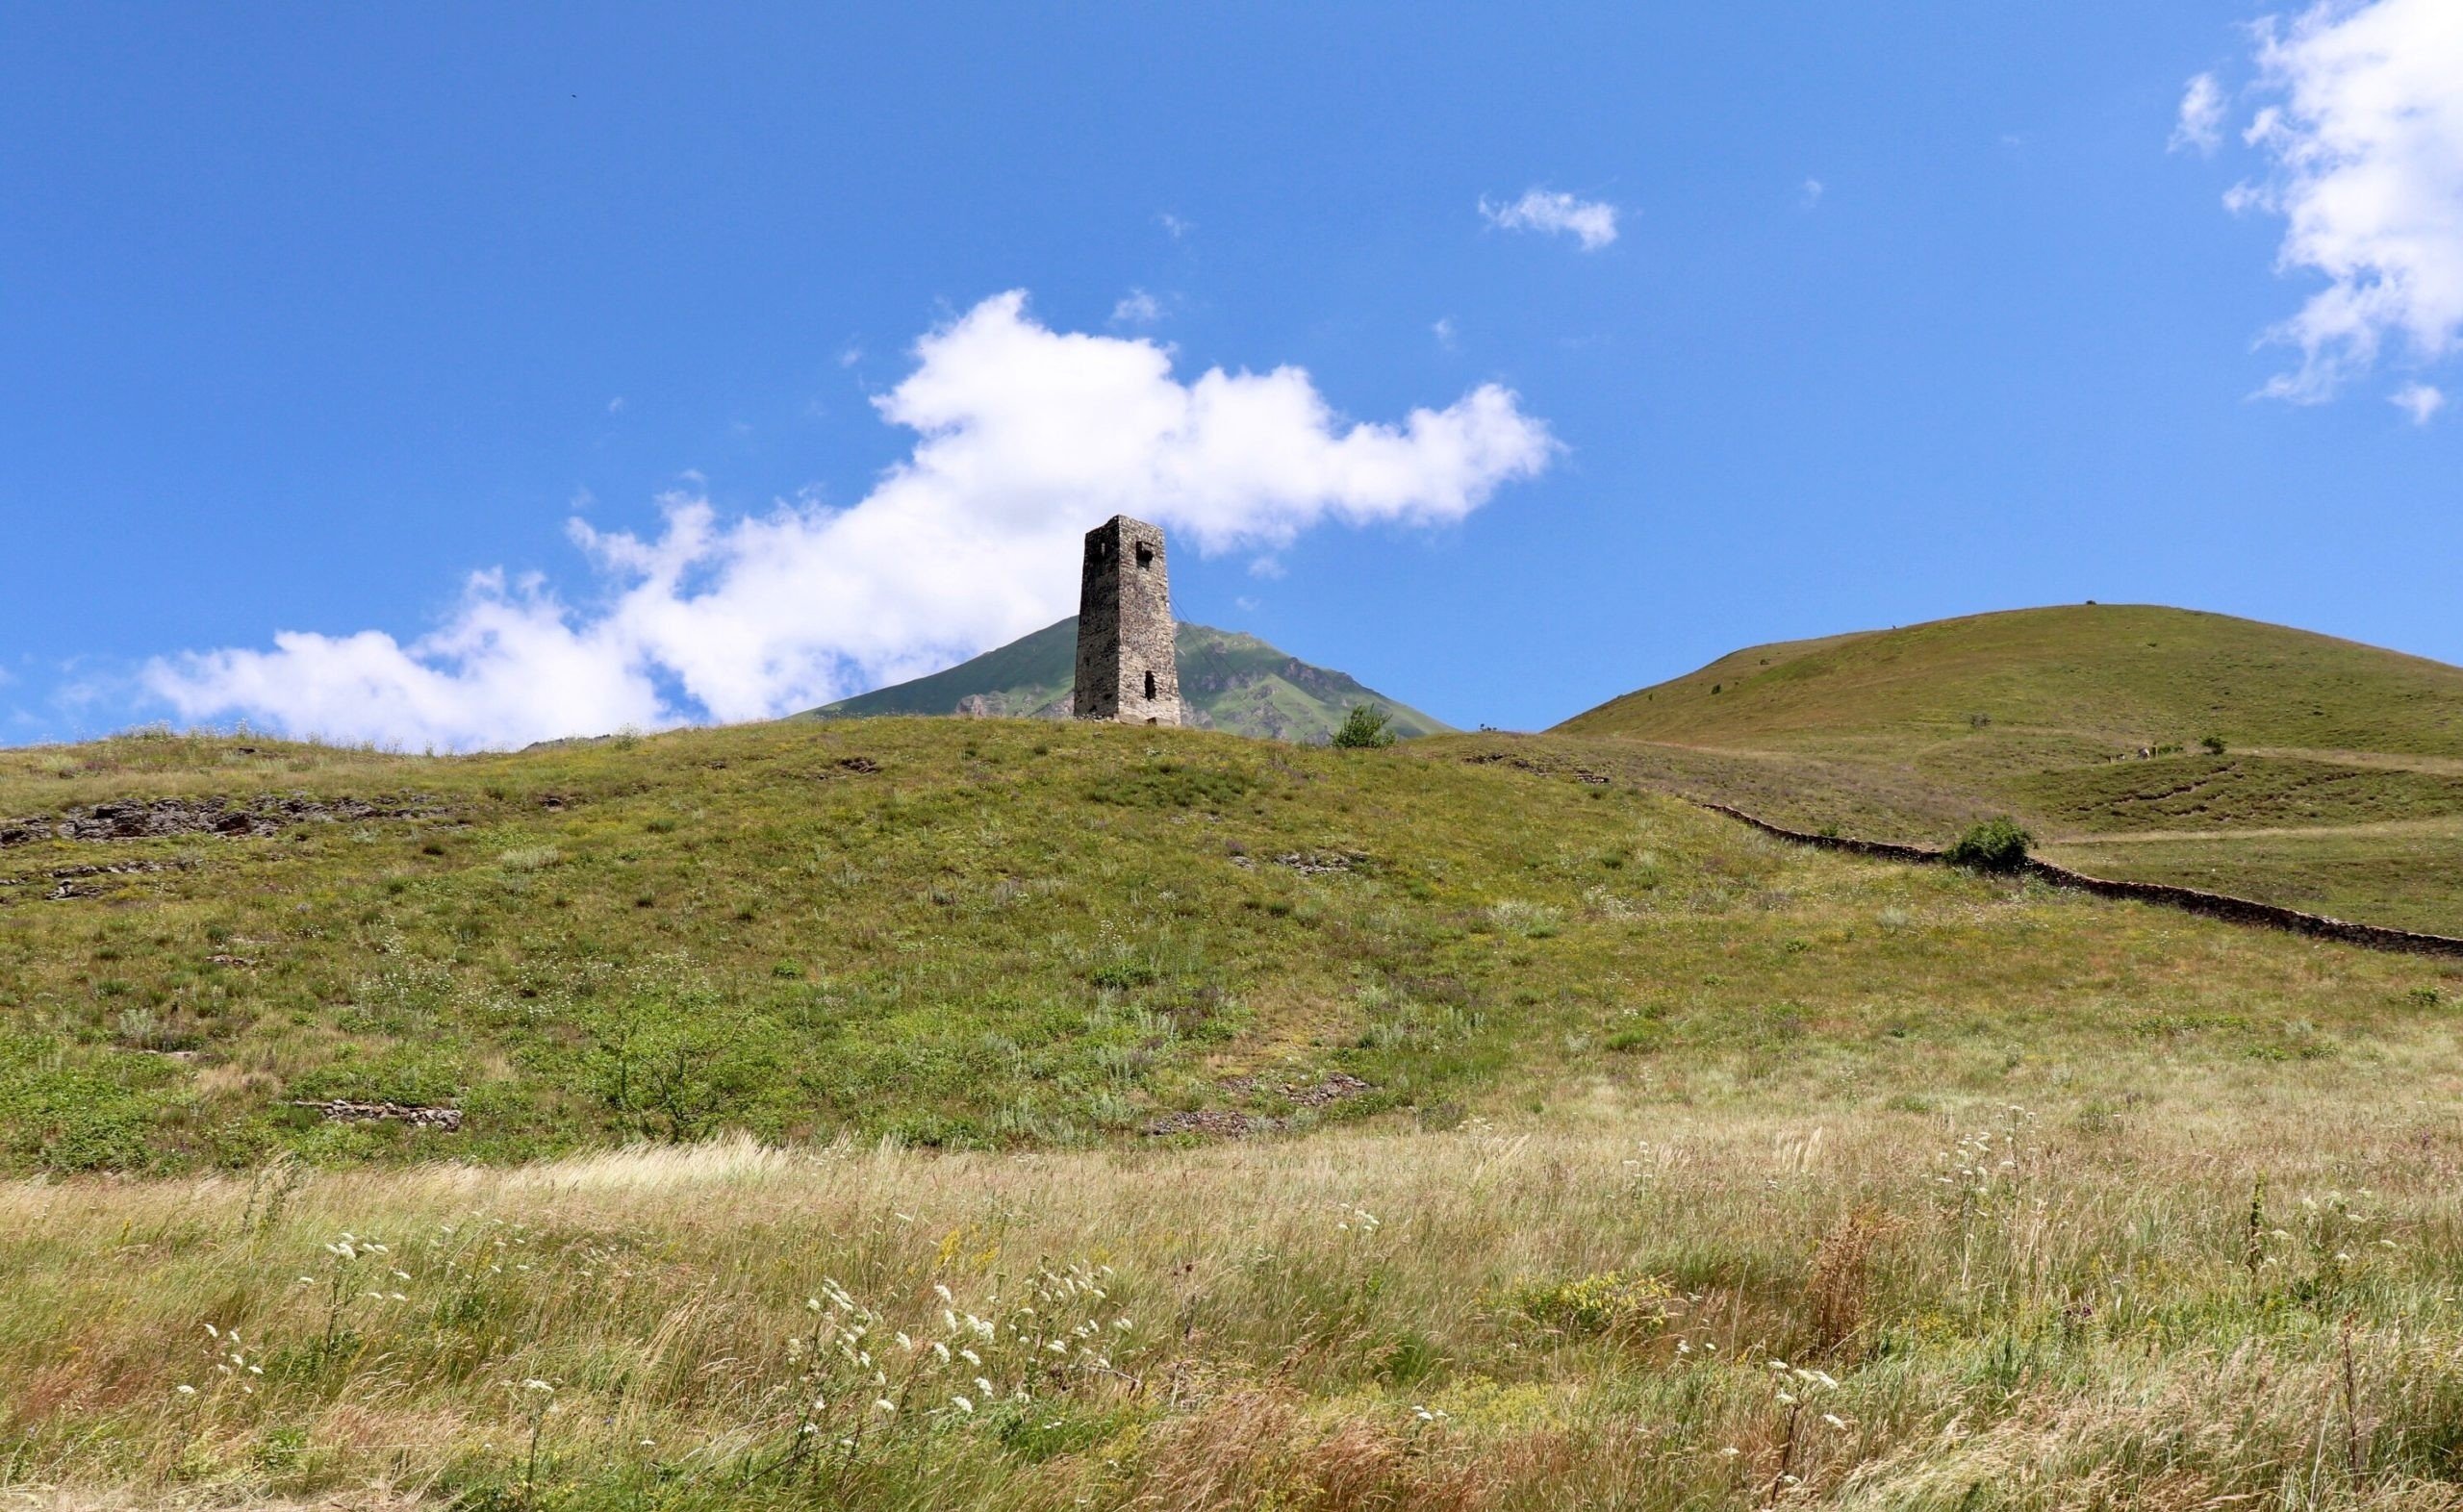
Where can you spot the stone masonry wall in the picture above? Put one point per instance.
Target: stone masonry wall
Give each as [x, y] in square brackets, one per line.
[1126, 668]
[2213, 905]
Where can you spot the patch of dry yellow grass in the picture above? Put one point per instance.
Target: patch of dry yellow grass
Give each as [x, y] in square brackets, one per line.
[2049, 1308]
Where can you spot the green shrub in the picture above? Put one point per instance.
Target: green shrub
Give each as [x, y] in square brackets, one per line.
[1365, 728]
[2213, 744]
[1609, 1301]
[1997, 844]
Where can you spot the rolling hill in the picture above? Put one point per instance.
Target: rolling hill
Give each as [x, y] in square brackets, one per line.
[1008, 1114]
[2135, 741]
[1229, 681]
[974, 932]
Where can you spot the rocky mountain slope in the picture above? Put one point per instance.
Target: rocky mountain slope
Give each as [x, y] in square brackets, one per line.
[1229, 681]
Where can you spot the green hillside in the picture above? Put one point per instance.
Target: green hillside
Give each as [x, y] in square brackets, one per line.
[990, 933]
[1009, 1114]
[2093, 725]
[1229, 681]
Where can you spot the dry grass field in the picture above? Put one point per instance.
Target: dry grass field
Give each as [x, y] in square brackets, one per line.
[2247, 1298]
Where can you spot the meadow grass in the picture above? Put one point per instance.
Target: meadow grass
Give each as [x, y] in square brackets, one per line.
[2079, 1304]
[1003, 933]
[1604, 1152]
[2080, 721]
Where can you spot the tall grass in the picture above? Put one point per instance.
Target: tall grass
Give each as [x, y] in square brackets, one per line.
[2252, 1306]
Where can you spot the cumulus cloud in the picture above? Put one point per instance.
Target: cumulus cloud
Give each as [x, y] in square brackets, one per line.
[2362, 128]
[1590, 221]
[1137, 307]
[2201, 126]
[1024, 437]
[2420, 401]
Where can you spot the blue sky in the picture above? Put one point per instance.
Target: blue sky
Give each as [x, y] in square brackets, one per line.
[831, 329]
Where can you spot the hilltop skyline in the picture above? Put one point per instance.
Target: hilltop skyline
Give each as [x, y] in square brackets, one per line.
[494, 378]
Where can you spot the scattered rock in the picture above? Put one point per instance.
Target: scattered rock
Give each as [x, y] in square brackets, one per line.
[1216, 1122]
[1339, 1086]
[70, 881]
[141, 819]
[343, 1110]
[1320, 863]
[1229, 1124]
[861, 766]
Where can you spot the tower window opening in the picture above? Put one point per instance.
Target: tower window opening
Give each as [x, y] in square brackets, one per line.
[1145, 556]
[1150, 685]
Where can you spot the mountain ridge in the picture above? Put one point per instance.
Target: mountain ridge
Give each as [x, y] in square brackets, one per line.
[1229, 681]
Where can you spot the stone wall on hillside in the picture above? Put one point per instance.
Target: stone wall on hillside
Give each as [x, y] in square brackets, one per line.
[2213, 905]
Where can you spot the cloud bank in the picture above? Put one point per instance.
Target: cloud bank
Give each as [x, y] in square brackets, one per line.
[1026, 437]
[1589, 221]
[2363, 132]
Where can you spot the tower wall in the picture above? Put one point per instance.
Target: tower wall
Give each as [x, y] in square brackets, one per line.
[1126, 668]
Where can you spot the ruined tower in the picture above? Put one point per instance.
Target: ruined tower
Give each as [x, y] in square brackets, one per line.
[1126, 668]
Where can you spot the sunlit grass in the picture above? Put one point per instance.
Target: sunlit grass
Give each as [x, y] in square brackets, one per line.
[2068, 1306]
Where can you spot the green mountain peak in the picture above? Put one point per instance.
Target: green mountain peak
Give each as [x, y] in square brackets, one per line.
[1229, 681]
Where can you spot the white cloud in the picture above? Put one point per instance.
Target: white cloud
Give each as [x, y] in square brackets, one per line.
[1137, 308]
[1592, 222]
[1444, 332]
[2420, 401]
[1810, 194]
[1173, 226]
[2201, 126]
[616, 406]
[1024, 437]
[2363, 130]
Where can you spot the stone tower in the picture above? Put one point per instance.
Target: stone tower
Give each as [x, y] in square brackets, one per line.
[1126, 668]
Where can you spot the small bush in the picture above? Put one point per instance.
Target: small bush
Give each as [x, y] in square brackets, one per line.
[2213, 744]
[1997, 845]
[1609, 1302]
[1365, 728]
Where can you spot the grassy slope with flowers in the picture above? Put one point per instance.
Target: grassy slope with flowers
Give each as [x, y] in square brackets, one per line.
[1694, 1171]
[2214, 1302]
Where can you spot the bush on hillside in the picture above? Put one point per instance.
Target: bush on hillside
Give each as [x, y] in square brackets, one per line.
[1997, 845]
[1365, 728]
[2214, 745]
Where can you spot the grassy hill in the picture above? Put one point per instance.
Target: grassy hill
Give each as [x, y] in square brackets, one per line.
[1611, 1104]
[2340, 767]
[926, 1099]
[1228, 682]
[993, 933]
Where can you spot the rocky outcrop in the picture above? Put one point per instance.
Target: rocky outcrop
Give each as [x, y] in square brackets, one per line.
[156, 819]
